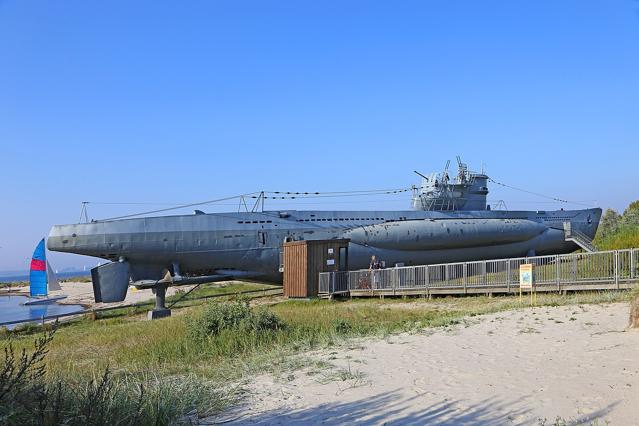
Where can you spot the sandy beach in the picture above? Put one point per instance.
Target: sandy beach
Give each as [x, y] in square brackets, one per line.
[523, 367]
[81, 293]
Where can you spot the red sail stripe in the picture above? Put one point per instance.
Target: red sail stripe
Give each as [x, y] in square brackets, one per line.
[38, 265]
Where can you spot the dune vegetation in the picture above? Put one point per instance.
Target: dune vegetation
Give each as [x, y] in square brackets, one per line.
[193, 364]
[619, 231]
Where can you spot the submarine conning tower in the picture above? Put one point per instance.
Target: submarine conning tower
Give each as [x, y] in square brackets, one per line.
[437, 192]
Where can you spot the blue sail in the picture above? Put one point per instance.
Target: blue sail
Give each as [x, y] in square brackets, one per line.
[38, 271]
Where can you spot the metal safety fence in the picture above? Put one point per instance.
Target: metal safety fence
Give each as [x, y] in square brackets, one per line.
[605, 268]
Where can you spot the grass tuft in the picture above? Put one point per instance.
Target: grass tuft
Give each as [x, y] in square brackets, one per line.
[217, 317]
[28, 395]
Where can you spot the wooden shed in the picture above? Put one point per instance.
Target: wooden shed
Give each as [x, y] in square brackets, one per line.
[304, 260]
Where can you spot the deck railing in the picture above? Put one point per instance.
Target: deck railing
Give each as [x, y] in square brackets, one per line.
[604, 267]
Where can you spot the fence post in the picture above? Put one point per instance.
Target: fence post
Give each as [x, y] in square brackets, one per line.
[508, 275]
[484, 275]
[465, 276]
[558, 272]
[394, 279]
[427, 282]
[371, 277]
[632, 263]
[617, 269]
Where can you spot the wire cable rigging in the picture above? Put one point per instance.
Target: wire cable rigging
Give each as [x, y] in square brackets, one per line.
[290, 195]
[537, 193]
[183, 206]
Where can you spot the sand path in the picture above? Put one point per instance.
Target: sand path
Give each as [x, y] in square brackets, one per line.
[82, 293]
[517, 367]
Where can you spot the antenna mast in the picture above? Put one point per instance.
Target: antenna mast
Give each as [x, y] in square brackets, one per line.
[445, 174]
[462, 170]
[84, 213]
[259, 203]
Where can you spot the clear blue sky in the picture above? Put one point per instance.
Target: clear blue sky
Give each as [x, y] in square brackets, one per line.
[151, 101]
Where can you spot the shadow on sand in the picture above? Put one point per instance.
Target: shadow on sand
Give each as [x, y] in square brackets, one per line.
[391, 408]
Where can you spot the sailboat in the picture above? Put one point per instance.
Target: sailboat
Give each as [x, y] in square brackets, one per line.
[42, 279]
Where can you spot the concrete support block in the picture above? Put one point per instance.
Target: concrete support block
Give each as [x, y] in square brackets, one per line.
[158, 313]
[160, 310]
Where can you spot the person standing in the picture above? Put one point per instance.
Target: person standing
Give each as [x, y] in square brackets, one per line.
[375, 264]
[374, 268]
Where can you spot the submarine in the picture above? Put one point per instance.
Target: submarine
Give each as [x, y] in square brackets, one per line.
[449, 221]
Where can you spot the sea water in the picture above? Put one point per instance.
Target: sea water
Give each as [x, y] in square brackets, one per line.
[9, 277]
[12, 308]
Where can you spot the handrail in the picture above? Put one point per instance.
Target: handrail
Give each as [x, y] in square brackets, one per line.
[611, 267]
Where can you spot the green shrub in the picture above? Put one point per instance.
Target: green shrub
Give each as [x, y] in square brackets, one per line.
[617, 231]
[220, 316]
[608, 224]
[264, 320]
[623, 237]
[341, 326]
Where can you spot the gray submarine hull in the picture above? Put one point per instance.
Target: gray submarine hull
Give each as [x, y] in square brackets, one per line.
[247, 245]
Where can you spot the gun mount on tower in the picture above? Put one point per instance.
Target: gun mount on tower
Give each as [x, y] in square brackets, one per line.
[468, 191]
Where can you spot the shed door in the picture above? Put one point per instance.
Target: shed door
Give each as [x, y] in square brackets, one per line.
[343, 259]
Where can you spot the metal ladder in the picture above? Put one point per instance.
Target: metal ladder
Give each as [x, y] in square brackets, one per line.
[578, 238]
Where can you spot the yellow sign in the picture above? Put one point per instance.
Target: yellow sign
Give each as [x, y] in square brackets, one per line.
[526, 276]
[527, 282]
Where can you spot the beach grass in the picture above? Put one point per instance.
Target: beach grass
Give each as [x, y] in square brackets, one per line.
[124, 342]
[135, 350]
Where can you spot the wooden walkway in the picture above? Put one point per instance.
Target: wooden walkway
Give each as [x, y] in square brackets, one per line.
[597, 271]
[488, 291]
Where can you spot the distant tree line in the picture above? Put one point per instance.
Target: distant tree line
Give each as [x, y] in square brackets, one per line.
[617, 231]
